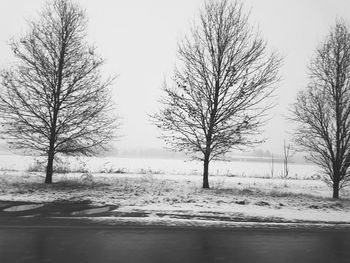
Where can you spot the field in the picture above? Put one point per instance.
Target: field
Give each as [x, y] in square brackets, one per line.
[172, 188]
[242, 167]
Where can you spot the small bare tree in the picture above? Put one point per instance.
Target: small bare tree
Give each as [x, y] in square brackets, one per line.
[222, 86]
[53, 100]
[323, 109]
[272, 171]
[287, 154]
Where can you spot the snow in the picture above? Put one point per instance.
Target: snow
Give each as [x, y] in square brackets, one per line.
[165, 166]
[180, 196]
[211, 224]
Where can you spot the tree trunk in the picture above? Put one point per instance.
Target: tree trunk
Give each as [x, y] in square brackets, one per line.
[49, 168]
[51, 154]
[336, 189]
[206, 171]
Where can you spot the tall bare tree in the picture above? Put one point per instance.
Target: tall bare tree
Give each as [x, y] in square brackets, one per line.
[53, 99]
[222, 85]
[322, 111]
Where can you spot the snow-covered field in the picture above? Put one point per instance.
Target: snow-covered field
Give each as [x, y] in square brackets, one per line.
[165, 166]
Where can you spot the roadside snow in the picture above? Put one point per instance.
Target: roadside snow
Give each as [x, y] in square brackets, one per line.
[164, 196]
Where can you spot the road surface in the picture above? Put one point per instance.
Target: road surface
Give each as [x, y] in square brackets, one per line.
[143, 245]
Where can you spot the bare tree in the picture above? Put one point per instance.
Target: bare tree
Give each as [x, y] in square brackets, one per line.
[53, 99]
[222, 86]
[287, 154]
[272, 171]
[322, 111]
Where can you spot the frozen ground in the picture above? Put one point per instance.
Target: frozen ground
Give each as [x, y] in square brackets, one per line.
[167, 196]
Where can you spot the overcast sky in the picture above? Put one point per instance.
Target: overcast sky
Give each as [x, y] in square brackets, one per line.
[139, 38]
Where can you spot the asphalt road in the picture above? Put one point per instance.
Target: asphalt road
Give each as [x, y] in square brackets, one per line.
[141, 245]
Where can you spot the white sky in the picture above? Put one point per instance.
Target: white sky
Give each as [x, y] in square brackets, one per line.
[138, 39]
